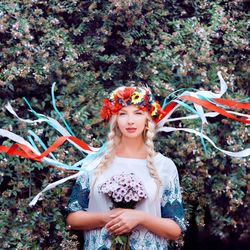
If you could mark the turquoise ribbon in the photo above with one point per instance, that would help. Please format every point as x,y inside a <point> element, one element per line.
<point>33,143</point>
<point>57,111</point>
<point>47,120</point>
<point>41,142</point>
<point>33,111</point>
<point>61,165</point>
<point>90,157</point>
<point>201,129</point>
<point>244,100</point>
<point>165,101</point>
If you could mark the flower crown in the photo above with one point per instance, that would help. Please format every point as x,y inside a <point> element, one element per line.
<point>124,96</point>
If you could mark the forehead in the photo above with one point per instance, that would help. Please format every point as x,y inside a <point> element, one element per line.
<point>130,108</point>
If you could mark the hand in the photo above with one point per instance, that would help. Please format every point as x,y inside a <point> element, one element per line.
<point>123,221</point>
<point>107,216</point>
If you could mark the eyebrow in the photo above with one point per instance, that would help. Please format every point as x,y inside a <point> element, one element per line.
<point>133,111</point>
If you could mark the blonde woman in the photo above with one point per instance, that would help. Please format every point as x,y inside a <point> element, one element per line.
<point>132,114</point>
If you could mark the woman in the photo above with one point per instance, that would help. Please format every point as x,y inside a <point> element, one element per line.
<point>132,113</point>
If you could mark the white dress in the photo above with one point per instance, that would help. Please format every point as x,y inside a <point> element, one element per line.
<point>167,205</point>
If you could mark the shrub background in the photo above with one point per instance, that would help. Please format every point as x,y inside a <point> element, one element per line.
<point>90,47</point>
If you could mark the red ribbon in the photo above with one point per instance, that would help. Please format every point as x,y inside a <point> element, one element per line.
<point>22,150</point>
<point>219,110</point>
<point>233,104</point>
<point>209,105</point>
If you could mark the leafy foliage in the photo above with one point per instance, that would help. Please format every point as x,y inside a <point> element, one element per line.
<point>91,47</point>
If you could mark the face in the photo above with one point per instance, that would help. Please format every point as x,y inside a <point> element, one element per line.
<point>131,121</point>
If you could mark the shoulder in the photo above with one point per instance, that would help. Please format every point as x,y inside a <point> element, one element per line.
<point>165,164</point>
<point>164,160</point>
<point>83,178</point>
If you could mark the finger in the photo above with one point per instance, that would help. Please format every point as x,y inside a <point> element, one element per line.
<point>113,229</point>
<point>112,223</point>
<point>116,214</point>
<point>121,230</point>
<point>117,209</point>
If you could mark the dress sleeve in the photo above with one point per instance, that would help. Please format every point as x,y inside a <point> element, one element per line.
<point>79,198</point>
<point>171,202</point>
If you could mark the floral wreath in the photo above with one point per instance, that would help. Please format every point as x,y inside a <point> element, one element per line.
<point>124,96</point>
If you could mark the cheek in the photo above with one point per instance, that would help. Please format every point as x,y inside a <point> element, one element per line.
<point>120,122</point>
<point>142,122</point>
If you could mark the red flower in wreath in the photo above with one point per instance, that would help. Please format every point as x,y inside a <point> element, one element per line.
<point>125,93</point>
<point>116,107</point>
<point>106,111</point>
<point>138,96</point>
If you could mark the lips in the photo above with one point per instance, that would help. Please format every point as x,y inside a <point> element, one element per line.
<point>131,130</point>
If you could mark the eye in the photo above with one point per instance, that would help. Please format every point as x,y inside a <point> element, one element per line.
<point>121,114</point>
<point>139,113</point>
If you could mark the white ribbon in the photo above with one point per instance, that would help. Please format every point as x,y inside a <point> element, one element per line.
<point>18,139</point>
<point>87,166</point>
<point>63,131</point>
<point>243,153</point>
<point>209,114</point>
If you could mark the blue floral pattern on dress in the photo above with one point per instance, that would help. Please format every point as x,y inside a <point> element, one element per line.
<point>171,204</point>
<point>79,198</point>
<point>140,238</point>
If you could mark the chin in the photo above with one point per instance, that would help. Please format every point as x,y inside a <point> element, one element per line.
<point>136,135</point>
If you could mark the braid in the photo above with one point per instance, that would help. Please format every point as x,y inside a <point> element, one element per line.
<point>150,133</point>
<point>114,137</point>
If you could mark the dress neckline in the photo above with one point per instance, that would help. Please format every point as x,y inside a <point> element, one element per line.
<point>134,159</point>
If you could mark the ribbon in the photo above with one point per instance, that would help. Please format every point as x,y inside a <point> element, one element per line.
<point>199,99</point>
<point>57,111</point>
<point>240,154</point>
<point>90,163</point>
<point>50,121</point>
<point>213,107</point>
<point>28,148</point>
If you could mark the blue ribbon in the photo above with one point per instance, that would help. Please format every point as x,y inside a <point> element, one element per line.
<point>195,112</point>
<point>57,111</point>
<point>41,142</point>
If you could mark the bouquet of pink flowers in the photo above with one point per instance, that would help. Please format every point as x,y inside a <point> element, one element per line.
<point>125,191</point>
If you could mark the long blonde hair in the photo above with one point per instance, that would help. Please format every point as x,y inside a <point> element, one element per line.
<point>114,138</point>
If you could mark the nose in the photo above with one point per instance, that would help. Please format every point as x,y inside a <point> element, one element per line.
<point>130,119</point>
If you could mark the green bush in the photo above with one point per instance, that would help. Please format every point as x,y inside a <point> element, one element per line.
<point>90,47</point>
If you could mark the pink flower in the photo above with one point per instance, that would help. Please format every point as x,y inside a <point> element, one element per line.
<point>124,190</point>
<point>135,197</point>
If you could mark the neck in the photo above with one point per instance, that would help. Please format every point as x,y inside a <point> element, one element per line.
<point>131,147</point>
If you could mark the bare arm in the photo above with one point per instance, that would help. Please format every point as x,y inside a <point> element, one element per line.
<point>82,220</point>
<point>161,226</point>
